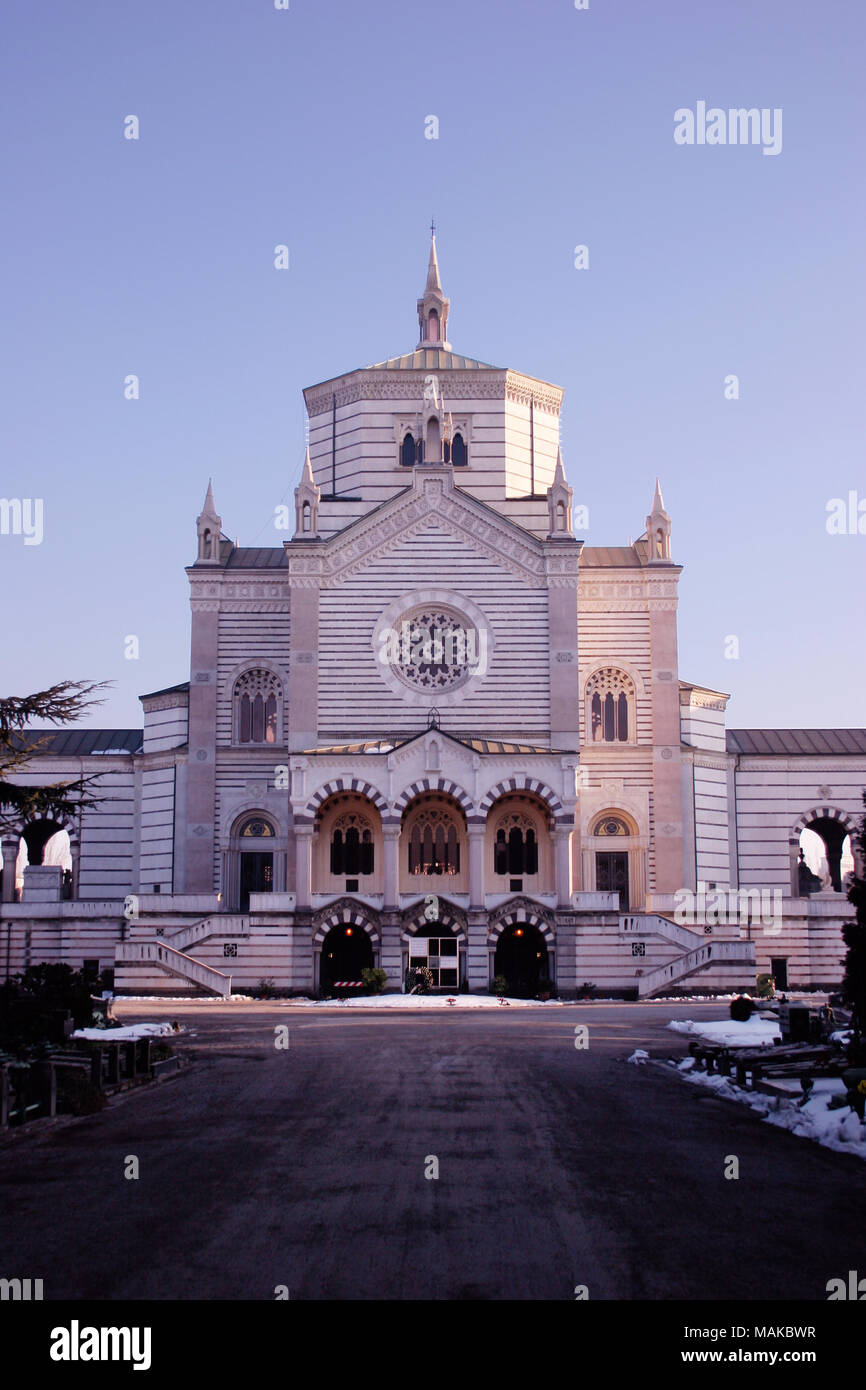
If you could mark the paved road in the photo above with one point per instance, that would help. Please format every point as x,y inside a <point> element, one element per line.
<point>305,1167</point>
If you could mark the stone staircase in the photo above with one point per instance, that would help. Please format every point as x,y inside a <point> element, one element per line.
<point>733,958</point>
<point>217,925</point>
<point>166,958</point>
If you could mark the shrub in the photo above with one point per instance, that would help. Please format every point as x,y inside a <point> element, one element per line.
<point>499,985</point>
<point>375,979</point>
<point>546,986</point>
<point>741,1008</point>
<point>76,1094</point>
<point>265,988</point>
<point>766,987</point>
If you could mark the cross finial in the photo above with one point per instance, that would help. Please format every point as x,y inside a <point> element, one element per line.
<point>432,226</point>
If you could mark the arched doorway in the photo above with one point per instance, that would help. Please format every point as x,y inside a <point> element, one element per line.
<point>45,843</point>
<point>521,957</point>
<point>612,864</point>
<point>346,951</point>
<point>257,861</point>
<point>825,855</point>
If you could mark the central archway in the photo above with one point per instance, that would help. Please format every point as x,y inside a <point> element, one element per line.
<point>521,957</point>
<point>346,951</point>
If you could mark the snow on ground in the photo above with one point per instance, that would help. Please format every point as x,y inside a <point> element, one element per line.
<point>753,1032</point>
<point>836,1129</point>
<point>126,1033</point>
<point>639,1057</point>
<point>423,1001</point>
<point>182,999</point>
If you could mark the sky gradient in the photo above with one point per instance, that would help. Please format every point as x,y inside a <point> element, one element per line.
<point>260,127</point>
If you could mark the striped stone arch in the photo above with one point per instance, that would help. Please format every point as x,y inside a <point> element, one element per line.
<point>345,913</point>
<point>433,784</point>
<point>523,912</point>
<point>526,784</point>
<point>342,784</point>
<point>451,917</point>
<point>825,813</point>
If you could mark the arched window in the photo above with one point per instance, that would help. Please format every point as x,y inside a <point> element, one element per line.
<point>560,516</point>
<point>432,326</point>
<point>256,698</point>
<point>515,847</point>
<point>351,846</point>
<point>305,517</point>
<point>256,829</point>
<point>610,707</point>
<point>458,451</point>
<point>434,845</point>
<point>433,452</point>
<point>407,451</point>
<point>610,825</point>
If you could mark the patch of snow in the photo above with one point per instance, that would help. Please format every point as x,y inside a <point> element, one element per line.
<point>752,1032</point>
<point>126,1033</point>
<point>183,999</point>
<point>426,1001</point>
<point>639,1057</point>
<point>839,1129</point>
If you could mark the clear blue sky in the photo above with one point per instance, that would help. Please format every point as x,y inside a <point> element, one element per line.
<point>306,127</point>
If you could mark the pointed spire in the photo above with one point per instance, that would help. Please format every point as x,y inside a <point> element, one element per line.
<point>208,530</point>
<point>433,281</point>
<point>658,529</point>
<point>559,500</point>
<point>433,306</point>
<point>307,498</point>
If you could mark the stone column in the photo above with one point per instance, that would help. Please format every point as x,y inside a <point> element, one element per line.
<point>391,866</point>
<point>477,953</point>
<point>391,951</point>
<point>10,856</point>
<point>476,831</point>
<point>303,864</point>
<point>562,860</point>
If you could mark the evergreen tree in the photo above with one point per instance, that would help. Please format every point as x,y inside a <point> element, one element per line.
<point>59,704</point>
<point>854,934</point>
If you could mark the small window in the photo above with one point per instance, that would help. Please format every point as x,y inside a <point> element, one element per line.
<point>351,846</point>
<point>610,707</point>
<point>515,851</point>
<point>458,451</point>
<point>256,697</point>
<point>407,451</point>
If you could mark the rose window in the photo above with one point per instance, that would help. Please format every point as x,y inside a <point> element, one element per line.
<point>436,650</point>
